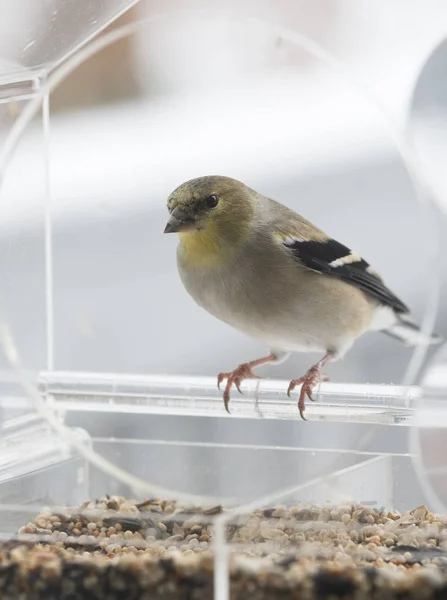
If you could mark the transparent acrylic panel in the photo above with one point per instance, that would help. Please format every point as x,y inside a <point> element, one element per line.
<point>426,130</point>
<point>306,537</point>
<point>427,120</point>
<point>23,197</point>
<point>428,437</point>
<point>318,540</point>
<point>36,35</point>
<point>200,454</point>
<point>200,397</point>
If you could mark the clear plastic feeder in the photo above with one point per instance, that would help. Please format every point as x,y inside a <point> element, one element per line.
<point>427,120</point>
<point>426,128</point>
<point>114,438</point>
<point>428,436</point>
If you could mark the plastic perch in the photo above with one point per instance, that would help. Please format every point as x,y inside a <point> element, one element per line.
<point>199,396</point>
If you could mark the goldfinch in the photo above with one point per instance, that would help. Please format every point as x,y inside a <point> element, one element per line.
<point>265,270</point>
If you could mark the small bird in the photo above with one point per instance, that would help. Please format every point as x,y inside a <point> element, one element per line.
<point>260,267</point>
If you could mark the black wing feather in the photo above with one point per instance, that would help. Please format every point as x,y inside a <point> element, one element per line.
<point>318,256</point>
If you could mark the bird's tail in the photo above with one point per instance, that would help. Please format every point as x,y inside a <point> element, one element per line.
<point>408,332</point>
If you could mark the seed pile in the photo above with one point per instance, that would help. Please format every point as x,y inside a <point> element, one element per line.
<point>113,548</point>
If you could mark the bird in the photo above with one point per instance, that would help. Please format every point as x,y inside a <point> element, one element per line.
<point>263,269</point>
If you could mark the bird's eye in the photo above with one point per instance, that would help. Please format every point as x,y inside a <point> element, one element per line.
<point>212,201</point>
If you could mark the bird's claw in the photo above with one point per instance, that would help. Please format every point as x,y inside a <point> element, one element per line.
<point>220,378</point>
<point>307,382</point>
<point>235,378</point>
<point>237,383</point>
<point>293,384</point>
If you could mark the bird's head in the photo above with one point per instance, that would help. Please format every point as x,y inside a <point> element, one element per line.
<point>211,214</point>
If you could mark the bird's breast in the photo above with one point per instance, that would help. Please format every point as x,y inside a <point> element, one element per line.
<point>289,308</point>
<point>217,291</point>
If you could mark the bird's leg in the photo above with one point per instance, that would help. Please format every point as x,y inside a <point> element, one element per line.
<point>236,377</point>
<point>309,381</point>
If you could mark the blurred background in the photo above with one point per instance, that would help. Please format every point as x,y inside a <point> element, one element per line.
<point>192,93</point>
<point>220,88</point>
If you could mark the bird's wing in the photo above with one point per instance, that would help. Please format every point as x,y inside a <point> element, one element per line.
<point>327,256</point>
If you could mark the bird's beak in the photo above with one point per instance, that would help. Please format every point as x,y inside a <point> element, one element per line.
<point>172,225</point>
<point>178,221</point>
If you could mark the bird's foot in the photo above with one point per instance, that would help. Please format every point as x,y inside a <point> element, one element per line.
<point>235,377</point>
<point>307,382</point>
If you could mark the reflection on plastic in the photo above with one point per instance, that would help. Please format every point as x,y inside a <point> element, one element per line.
<point>429,436</point>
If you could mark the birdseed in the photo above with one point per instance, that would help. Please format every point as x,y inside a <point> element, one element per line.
<point>114,548</point>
